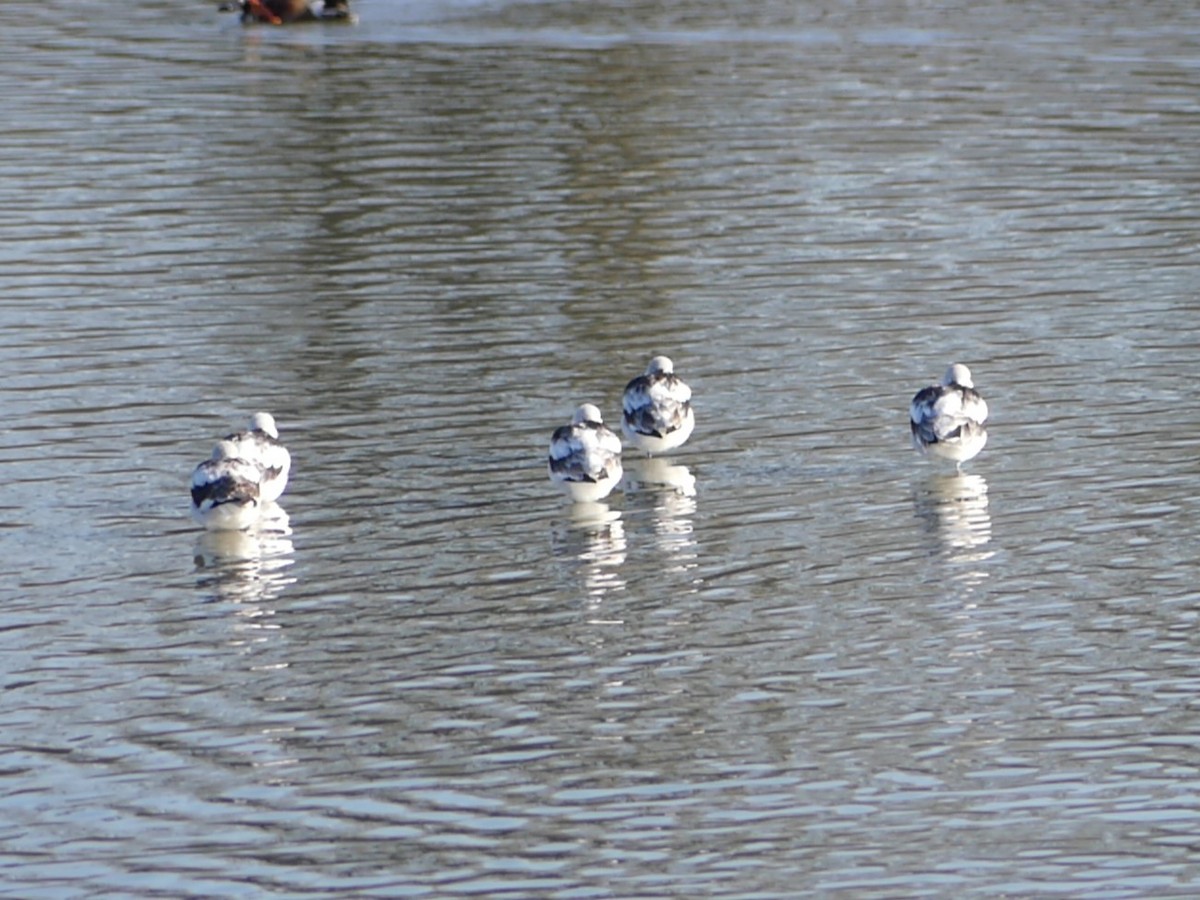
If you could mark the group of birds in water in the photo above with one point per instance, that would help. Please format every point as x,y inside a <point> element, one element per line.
<point>656,416</point>
<point>947,421</point>
<point>250,468</point>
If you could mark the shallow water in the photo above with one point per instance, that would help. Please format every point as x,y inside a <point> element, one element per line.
<point>816,665</point>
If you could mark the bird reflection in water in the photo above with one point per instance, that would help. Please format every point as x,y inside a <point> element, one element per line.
<point>656,472</point>
<point>249,568</point>
<point>954,509</point>
<point>673,488</point>
<point>593,537</point>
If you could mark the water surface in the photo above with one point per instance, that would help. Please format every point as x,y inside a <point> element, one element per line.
<point>827,668</point>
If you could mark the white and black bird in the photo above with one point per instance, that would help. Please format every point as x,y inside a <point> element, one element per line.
<point>947,418</point>
<point>225,490</point>
<point>657,409</point>
<point>585,457</point>
<point>259,443</point>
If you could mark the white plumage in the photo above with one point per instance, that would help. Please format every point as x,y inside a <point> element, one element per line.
<point>947,418</point>
<point>259,443</point>
<point>225,490</point>
<point>657,409</point>
<point>585,457</point>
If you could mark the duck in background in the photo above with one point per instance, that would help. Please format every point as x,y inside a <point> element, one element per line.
<point>657,409</point>
<point>282,12</point>
<point>585,457</point>
<point>947,418</point>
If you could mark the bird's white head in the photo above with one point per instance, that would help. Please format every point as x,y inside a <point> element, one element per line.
<point>660,365</point>
<point>958,374</point>
<point>264,422</point>
<point>589,412</point>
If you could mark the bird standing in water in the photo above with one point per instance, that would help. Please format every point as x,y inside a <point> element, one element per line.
<point>259,443</point>
<point>585,457</point>
<point>225,490</point>
<point>657,409</point>
<point>947,418</point>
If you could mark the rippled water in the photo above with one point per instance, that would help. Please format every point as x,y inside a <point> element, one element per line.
<point>819,665</point>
